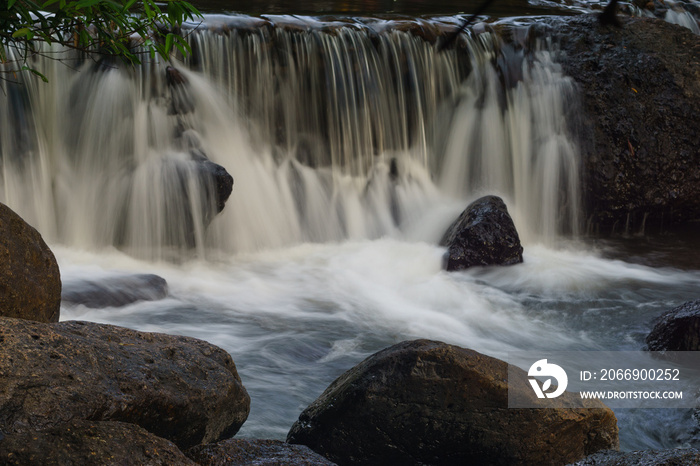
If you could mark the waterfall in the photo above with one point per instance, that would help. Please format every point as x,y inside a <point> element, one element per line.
<point>331,131</point>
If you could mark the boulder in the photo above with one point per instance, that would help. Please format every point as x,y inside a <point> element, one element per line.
<point>640,92</point>
<point>674,457</point>
<point>677,330</point>
<point>484,234</point>
<point>427,402</point>
<point>114,291</point>
<point>217,181</point>
<point>90,443</point>
<point>244,452</point>
<point>30,282</point>
<point>179,388</point>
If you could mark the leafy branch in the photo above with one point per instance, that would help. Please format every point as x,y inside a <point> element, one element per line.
<point>112,27</point>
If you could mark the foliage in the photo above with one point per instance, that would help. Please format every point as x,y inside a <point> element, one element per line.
<point>109,27</point>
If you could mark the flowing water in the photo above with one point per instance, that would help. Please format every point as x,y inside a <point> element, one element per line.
<point>353,145</point>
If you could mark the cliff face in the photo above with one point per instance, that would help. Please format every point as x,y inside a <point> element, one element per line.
<point>639,129</point>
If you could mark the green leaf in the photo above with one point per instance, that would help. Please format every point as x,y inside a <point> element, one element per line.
<point>20,33</point>
<point>10,4</point>
<point>35,72</point>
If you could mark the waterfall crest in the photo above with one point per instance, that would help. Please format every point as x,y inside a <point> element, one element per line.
<point>331,131</point>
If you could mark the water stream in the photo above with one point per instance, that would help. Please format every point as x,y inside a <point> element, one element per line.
<point>353,145</point>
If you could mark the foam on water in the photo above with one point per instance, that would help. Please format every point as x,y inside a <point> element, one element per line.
<point>296,318</point>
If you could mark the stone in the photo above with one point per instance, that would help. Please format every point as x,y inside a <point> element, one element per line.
<point>114,291</point>
<point>673,457</point>
<point>484,234</point>
<point>30,281</point>
<point>179,388</point>
<point>244,452</point>
<point>427,402</point>
<point>637,124</point>
<point>90,443</point>
<point>677,330</point>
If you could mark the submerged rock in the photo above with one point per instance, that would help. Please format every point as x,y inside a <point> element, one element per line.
<point>640,90</point>
<point>30,281</point>
<point>484,234</point>
<point>90,443</point>
<point>673,457</point>
<point>677,330</point>
<point>114,291</point>
<point>426,402</point>
<point>180,388</point>
<point>244,452</point>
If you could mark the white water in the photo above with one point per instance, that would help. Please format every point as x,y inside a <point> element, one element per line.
<point>321,257</point>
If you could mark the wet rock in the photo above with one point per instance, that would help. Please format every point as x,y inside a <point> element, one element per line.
<point>90,443</point>
<point>484,234</point>
<point>30,281</point>
<point>114,291</point>
<point>677,330</point>
<point>181,99</point>
<point>216,179</point>
<point>426,402</point>
<point>675,457</point>
<point>244,452</point>
<point>640,90</point>
<point>179,388</point>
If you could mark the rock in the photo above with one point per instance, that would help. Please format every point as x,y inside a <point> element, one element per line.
<point>675,457</point>
<point>179,388</point>
<point>181,99</point>
<point>90,443</point>
<point>677,330</point>
<point>484,234</point>
<point>218,182</point>
<point>114,291</point>
<point>30,281</point>
<point>640,91</point>
<point>426,402</point>
<point>244,452</point>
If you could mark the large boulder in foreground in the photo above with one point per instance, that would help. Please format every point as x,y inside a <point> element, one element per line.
<point>640,88</point>
<point>677,330</point>
<point>30,282</point>
<point>674,457</point>
<point>427,402</point>
<point>244,452</point>
<point>179,388</point>
<point>90,443</point>
<point>484,234</point>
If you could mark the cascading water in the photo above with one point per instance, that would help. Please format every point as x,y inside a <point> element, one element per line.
<point>353,145</point>
<point>331,134</point>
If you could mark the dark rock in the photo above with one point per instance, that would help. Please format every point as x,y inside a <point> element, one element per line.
<point>179,388</point>
<point>181,99</point>
<point>640,88</point>
<point>244,452</point>
<point>217,181</point>
<point>426,402</point>
<point>484,234</point>
<point>90,443</point>
<point>114,291</point>
<point>677,330</point>
<point>675,457</point>
<point>30,281</point>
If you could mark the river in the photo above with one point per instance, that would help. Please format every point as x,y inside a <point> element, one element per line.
<point>321,257</point>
